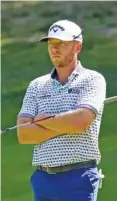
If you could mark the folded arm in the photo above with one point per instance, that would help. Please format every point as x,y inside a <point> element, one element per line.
<point>33,134</point>
<point>69,122</point>
<point>41,131</point>
<point>75,121</point>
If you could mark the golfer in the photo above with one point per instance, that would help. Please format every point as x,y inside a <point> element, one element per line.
<point>66,165</point>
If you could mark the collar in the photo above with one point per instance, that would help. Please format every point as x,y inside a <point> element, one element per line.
<point>79,68</point>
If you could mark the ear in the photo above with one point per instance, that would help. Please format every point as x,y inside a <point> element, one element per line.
<point>79,47</point>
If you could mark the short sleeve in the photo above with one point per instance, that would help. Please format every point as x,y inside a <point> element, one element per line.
<point>29,106</point>
<point>93,93</point>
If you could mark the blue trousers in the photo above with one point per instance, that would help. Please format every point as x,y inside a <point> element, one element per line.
<point>76,185</point>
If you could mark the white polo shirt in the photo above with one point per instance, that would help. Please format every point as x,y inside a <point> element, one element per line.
<point>45,95</point>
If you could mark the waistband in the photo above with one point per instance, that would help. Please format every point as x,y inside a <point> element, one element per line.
<point>65,168</point>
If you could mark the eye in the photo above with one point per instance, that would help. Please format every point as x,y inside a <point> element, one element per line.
<point>57,43</point>
<point>50,43</point>
<point>54,43</point>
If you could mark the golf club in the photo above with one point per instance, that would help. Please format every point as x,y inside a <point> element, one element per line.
<point>21,125</point>
<point>107,100</point>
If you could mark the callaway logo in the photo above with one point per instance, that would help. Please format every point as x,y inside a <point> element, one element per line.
<point>56,27</point>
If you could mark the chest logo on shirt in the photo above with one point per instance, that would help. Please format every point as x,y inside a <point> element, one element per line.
<point>74,90</point>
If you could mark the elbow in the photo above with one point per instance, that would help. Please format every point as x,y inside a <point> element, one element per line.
<point>20,137</point>
<point>85,119</point>
<point>82,126</point>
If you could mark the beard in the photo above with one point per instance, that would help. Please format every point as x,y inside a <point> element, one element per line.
<point>62,62</point>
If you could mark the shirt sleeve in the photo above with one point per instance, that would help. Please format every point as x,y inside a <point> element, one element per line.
<point>29,107</point>
<point>93,93</point>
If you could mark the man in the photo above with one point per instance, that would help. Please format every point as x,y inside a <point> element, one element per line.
<point>66,164</point>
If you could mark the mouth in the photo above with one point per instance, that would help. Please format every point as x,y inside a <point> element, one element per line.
<point>55,56</point>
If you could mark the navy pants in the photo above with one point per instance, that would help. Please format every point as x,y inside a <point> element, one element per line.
<point>75,185</point>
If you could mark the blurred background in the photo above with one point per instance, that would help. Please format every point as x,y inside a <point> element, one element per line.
<point>24,59</point>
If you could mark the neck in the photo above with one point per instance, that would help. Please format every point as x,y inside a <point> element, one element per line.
<point>64,72</point>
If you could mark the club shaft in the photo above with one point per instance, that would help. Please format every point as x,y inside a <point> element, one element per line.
<point>21,125</point>
<point>24,124</point>
<point>107,100</point>
<point>110,100</point>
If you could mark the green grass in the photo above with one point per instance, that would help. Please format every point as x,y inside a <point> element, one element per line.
<point>16,161</point>
<point>24,61</point>
<point>108,147</point>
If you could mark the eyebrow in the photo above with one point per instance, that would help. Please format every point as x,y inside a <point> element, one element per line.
<point>54,40</point>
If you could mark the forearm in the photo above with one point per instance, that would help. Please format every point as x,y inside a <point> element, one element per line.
<point>69,122</point>
<point>33,134</point>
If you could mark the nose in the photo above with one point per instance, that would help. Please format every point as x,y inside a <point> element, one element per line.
<point>55,50</point>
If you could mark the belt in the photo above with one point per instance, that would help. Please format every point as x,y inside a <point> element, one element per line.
<point>65,168</point>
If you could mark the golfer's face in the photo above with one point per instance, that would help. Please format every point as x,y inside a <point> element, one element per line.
<point>62,52</point>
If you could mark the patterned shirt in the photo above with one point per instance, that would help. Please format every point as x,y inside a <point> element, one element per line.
<point>45,95</point>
